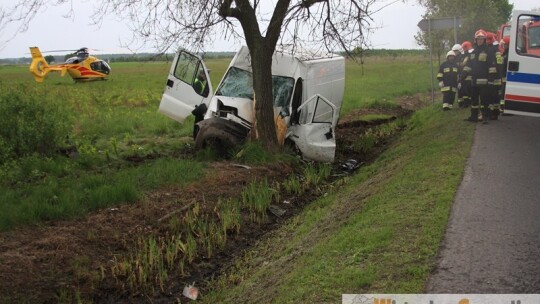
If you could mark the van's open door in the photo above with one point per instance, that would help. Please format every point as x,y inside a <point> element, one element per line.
<point>314,134</point>
<point>523,76</point>
<point>188,85</point>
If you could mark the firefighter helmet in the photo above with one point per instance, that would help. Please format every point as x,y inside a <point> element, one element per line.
<point>450,53</point>
<point>458,48</point>
<point>480,34</point>
<point>466,45</point>
<point>490,38</point>
<point>506,40</point>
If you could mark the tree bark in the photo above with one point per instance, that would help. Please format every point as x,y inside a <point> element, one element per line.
<point>261,63</point>
<point>261,51</point>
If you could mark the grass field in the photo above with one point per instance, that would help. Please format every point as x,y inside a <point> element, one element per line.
<point>379,233</point>
<point>115,121</point>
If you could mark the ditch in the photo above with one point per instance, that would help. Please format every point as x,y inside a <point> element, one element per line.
<point>148,251</point>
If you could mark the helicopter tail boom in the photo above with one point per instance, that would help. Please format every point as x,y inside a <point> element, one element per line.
<point>39,66</point>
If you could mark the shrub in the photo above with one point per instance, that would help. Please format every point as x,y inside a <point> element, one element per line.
<point>30,123</point>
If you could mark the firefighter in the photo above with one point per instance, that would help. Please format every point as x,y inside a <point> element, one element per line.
<point>448,80</point>
<point>505,43</point>
<point>483,71</point>
<point>458,49</point>
<point>465,78</point>
<point>495,85</point>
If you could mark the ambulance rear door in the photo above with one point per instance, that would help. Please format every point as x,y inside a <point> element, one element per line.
<point>523,76</point>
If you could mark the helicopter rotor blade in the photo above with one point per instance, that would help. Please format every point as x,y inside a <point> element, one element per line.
<point>91,50</point>
<point>57,51</point>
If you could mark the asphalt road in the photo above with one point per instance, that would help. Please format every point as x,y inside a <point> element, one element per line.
<point>492,242</point>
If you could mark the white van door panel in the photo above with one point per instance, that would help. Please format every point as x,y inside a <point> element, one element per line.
<point>314,134</point>
<point>188,85</point>
<point>522,94</point>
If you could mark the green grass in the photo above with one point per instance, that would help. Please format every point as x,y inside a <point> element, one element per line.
<point>58,192</point>
<point>380,80</point>
<point>115,121</point>
<point>379,234</point>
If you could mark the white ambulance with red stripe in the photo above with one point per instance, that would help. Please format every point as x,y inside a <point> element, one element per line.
<point>523,74</point>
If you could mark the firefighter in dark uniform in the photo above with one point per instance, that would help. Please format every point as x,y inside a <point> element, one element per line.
<point>448,80</point>
<point>483,71</point>
<point>495,85</point>
<point>465,77</point>
<point>505,43</point>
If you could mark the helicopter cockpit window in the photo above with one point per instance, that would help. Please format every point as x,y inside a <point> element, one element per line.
<point>100,66</point>
<point>72,60</point>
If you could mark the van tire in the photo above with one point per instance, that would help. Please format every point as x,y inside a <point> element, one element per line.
<point>218,135</point>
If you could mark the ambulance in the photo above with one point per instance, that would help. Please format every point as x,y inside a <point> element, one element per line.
<point>523,75</point>
<point>307,96</point>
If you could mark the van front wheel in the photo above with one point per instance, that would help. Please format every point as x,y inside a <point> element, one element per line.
<point>220,135</point>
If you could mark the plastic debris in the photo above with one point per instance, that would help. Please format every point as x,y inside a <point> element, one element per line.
<point>191,292</point>
<point>350,165</point>
<point>242,166</point>
<point>276,210</point>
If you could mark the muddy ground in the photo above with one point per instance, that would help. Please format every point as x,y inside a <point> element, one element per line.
<point>63,259</point>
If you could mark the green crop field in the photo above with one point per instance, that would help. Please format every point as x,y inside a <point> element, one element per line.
<point>104,126</point>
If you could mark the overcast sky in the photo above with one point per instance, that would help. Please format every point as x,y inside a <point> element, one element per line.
<point>396,26</point>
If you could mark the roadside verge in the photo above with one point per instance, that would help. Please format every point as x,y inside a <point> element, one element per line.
<point>379,234</point>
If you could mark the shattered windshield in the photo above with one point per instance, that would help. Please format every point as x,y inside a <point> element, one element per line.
<point>239,83</point>
<point>282,88</point>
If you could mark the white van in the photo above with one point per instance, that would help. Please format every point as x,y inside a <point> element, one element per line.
<point>522,94</point>
<point>307,91</point>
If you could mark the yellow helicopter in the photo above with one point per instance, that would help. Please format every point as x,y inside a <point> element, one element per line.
<point>81,67</point>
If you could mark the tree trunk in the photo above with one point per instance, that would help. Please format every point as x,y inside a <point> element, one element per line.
<point>261,63</point>
<point>261,50</point>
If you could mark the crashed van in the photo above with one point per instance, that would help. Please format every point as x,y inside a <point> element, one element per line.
<point>307,97</point>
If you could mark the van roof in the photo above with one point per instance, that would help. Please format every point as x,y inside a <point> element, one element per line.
<point>304,54</point>
<point>284,63</point>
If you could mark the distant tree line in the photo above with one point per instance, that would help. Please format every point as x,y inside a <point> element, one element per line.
<point>388,52</point>
<point>143,57</point>
<point>208,55</point>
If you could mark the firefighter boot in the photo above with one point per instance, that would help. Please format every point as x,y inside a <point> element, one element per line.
<point>493,112</point>
<point>485,115</point>
<point>474,115</point>
<point>446,106</point>
<point>466,101</point>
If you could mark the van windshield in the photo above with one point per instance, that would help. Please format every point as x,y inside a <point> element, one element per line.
<point>239,83</point>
